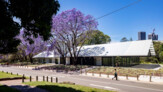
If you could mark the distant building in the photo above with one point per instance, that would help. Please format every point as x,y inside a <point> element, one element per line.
<point>153,36</point>
<point>141,35</point>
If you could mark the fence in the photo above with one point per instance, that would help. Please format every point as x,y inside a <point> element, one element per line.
<point>32,78</point>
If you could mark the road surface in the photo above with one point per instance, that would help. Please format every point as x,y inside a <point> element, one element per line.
<point>102,83</point>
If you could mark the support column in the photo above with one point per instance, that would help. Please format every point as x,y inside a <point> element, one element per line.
<point>112,62</point>
<point>58,60</point>
<point>67,61</point>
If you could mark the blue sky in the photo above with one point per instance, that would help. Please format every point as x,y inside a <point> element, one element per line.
<point>143,16</point>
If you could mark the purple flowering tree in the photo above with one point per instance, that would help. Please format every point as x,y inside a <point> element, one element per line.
<point>70,30</point>
<point>29,48</point>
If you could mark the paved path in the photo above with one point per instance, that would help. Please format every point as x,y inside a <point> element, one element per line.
<point>103,83</point>
<point>17,84</point>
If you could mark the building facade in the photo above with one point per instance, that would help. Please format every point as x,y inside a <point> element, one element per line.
<point>106,54</point>
<point>153,36</point>
<point>141,35</point>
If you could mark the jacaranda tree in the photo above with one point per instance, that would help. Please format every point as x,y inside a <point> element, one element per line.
<point>30,49</point>
<point>69,28</point>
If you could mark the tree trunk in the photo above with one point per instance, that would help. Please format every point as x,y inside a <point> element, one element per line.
<point>31,59</point>
<point>63,60</point>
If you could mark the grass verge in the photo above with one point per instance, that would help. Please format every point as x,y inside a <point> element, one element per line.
<point>8,75</point>
<point>56,87</point>
<point>133,72</point>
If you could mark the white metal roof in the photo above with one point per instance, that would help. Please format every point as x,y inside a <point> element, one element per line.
<point>46,54</point>
<point>130,48</point>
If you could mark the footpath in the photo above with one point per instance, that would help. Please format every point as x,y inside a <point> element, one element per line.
<point>17,84</point>
<point>141,78</point>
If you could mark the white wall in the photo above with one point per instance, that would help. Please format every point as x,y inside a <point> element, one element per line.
<point>58,60</point>
<point>98,60</point>
<point>53,60</point>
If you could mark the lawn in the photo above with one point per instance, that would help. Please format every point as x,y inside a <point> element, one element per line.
<point>133,72</point>
<point>5,75</point>
<point>7,89</point>
<point>56,87</point>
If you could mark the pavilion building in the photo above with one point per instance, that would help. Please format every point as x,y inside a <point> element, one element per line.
<point>106,54</point>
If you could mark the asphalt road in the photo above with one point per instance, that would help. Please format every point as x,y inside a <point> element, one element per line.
<point>102,83</point>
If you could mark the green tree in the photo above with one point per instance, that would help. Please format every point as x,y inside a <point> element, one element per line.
<point>157,46</point>
<point>161,55</point>
<point>124,39</point>
<point>161,52</point>
<point>35,16</point>
<point>97,37</point>
<point>8,30</point>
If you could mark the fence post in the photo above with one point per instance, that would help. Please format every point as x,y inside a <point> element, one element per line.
<point>51,79</point>
<point>36,78</point>
<point>81,70</point>
<point>43,78</point>
<point>56,80</point>
<point>137,77</point>
<point>127,76</point>
<point>100,74</point>
<point>108,75</point>
<point>11,73</point>
<point>92,73</point>
<point>85,72</point>
<point>30,78</point>
<point>150,78</point>
<point>17,74</point>
<point>23,79</point>
<point>47,78</point>
<point>2,71</point>
<point>7,72</point>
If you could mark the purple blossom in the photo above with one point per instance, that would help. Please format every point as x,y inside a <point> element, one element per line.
<point>37,46</point>
<point>70,29</point>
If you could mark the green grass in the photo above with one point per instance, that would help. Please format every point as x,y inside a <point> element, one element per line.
<point>5,75</point>
<point>56,87</point>
<point>126,71</point>
<point>7,89</point>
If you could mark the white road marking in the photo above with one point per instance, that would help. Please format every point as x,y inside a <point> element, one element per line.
<point>107,87</point>
<point>112,83</point>
<point>120,84</point>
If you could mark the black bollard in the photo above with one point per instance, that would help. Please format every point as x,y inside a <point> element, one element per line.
<point>43,78</point>
<point>56,80</point>
<point>36,78</point>
<point>23,79</point>
<point>51,79</point>
<point>30,78</point>
<point>47,78</point>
